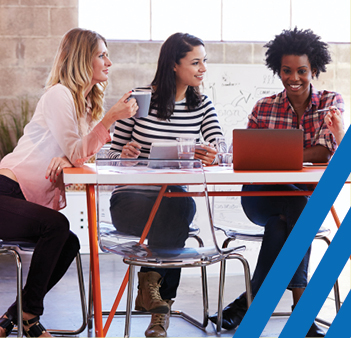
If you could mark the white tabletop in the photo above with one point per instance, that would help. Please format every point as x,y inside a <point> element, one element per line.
<point>214,175</point>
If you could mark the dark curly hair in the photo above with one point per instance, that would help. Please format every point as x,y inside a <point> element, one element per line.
<point>297,42</point>
<point>172,51</point>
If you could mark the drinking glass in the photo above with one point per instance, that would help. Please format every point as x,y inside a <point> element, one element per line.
<point>224,156</point>
<point>186,151</point>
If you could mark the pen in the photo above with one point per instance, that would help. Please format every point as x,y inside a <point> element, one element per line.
<point>321,110</point>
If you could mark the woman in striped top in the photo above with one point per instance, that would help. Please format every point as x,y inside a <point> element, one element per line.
<point>177,110</point>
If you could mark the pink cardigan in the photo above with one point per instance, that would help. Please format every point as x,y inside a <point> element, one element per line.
<point>53,131</point>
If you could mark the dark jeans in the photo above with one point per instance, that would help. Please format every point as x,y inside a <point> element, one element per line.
<point>130,211</point>
<point>56,246</point>
<point>278,214</point>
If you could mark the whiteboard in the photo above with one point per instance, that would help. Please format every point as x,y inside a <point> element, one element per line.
<point>235,88</point>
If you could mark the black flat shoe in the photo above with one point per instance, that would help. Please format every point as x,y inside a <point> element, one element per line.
<point>232,314</point>
<point>315,331</point>
<point>6,323</point>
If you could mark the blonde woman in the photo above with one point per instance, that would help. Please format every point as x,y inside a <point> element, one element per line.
<point>67,128</point>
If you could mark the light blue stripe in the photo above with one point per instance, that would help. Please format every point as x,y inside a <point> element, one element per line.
<point>321,283</point>
<point>298,242</point>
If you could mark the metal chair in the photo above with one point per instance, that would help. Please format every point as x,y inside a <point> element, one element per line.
<point>134,249</point>
<point>110,231</point>
<point>10,251</point>
<point>257,235</point>
<point>13,247</point>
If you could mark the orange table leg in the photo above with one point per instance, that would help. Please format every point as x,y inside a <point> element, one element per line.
<point>94,260</point>
<point>142,239</point>
<point>335,216</point>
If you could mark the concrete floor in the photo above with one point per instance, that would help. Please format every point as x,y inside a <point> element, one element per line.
<point>62,304</point>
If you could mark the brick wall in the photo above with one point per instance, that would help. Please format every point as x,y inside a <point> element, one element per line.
<point>30,31</point>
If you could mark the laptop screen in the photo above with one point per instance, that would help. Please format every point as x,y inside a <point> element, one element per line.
<point>164,150</point>
<point>267,149</point>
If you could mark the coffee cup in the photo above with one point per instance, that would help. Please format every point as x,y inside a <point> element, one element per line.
<point>143,100</point>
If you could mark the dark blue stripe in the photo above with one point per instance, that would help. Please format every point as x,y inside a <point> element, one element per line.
<point>340,327</point>
<point>321,283</point>
<point>303,233</point>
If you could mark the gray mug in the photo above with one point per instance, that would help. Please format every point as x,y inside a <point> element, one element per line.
<point>143,100</point>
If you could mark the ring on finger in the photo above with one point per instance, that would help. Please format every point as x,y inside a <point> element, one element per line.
<point>58,167</point>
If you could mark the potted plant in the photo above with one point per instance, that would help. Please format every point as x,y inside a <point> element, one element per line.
<point>13,118</point>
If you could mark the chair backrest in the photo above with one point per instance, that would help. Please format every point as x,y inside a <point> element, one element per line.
<point>126,194</point>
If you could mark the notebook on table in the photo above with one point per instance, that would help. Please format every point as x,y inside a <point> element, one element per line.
<point>267,149</point>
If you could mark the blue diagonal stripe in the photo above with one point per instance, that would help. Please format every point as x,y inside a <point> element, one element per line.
<point>321,282</point>
<point>298,242</point>
<point>341,327</point>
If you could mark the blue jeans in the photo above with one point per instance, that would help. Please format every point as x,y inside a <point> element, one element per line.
<point>278,214</point>
<point>130,211</point>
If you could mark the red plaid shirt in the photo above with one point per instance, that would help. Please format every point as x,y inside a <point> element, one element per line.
<point>276,112</point>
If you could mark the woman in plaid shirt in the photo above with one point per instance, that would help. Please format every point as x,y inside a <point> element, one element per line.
<point>297,56</point>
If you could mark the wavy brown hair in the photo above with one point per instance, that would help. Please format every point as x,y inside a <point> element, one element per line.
<point>73,68</point>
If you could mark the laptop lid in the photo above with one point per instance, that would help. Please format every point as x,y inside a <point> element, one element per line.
<point>267,149</point>
<point>164,150</point>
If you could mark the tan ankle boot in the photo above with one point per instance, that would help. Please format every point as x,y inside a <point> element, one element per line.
<point>148,298</point>
<point>159,323</point>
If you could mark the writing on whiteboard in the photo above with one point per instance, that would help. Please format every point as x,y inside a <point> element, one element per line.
<point>234,89</point>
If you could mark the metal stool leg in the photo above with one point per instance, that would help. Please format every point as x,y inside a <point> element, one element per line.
<point>19,293</point>
<point>220,295</point>
<point>82,299</point>
<point>12,249</point>
<point>336,285</point>
<point>90,304</point>
<point>19,286</point>
<point>204,295</point>
<point>129,301</point>
<point>81,291</point>
<point>204,287</point>
<point>19,283</point>
<point>246,268</point>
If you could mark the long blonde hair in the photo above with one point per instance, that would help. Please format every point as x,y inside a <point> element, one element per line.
<point>73,68</point>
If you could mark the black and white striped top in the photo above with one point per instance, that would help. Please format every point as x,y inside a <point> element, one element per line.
<point>200,123</point>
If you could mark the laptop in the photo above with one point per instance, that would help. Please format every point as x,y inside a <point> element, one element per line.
<point>267,149</point>
<point>164,150</point>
